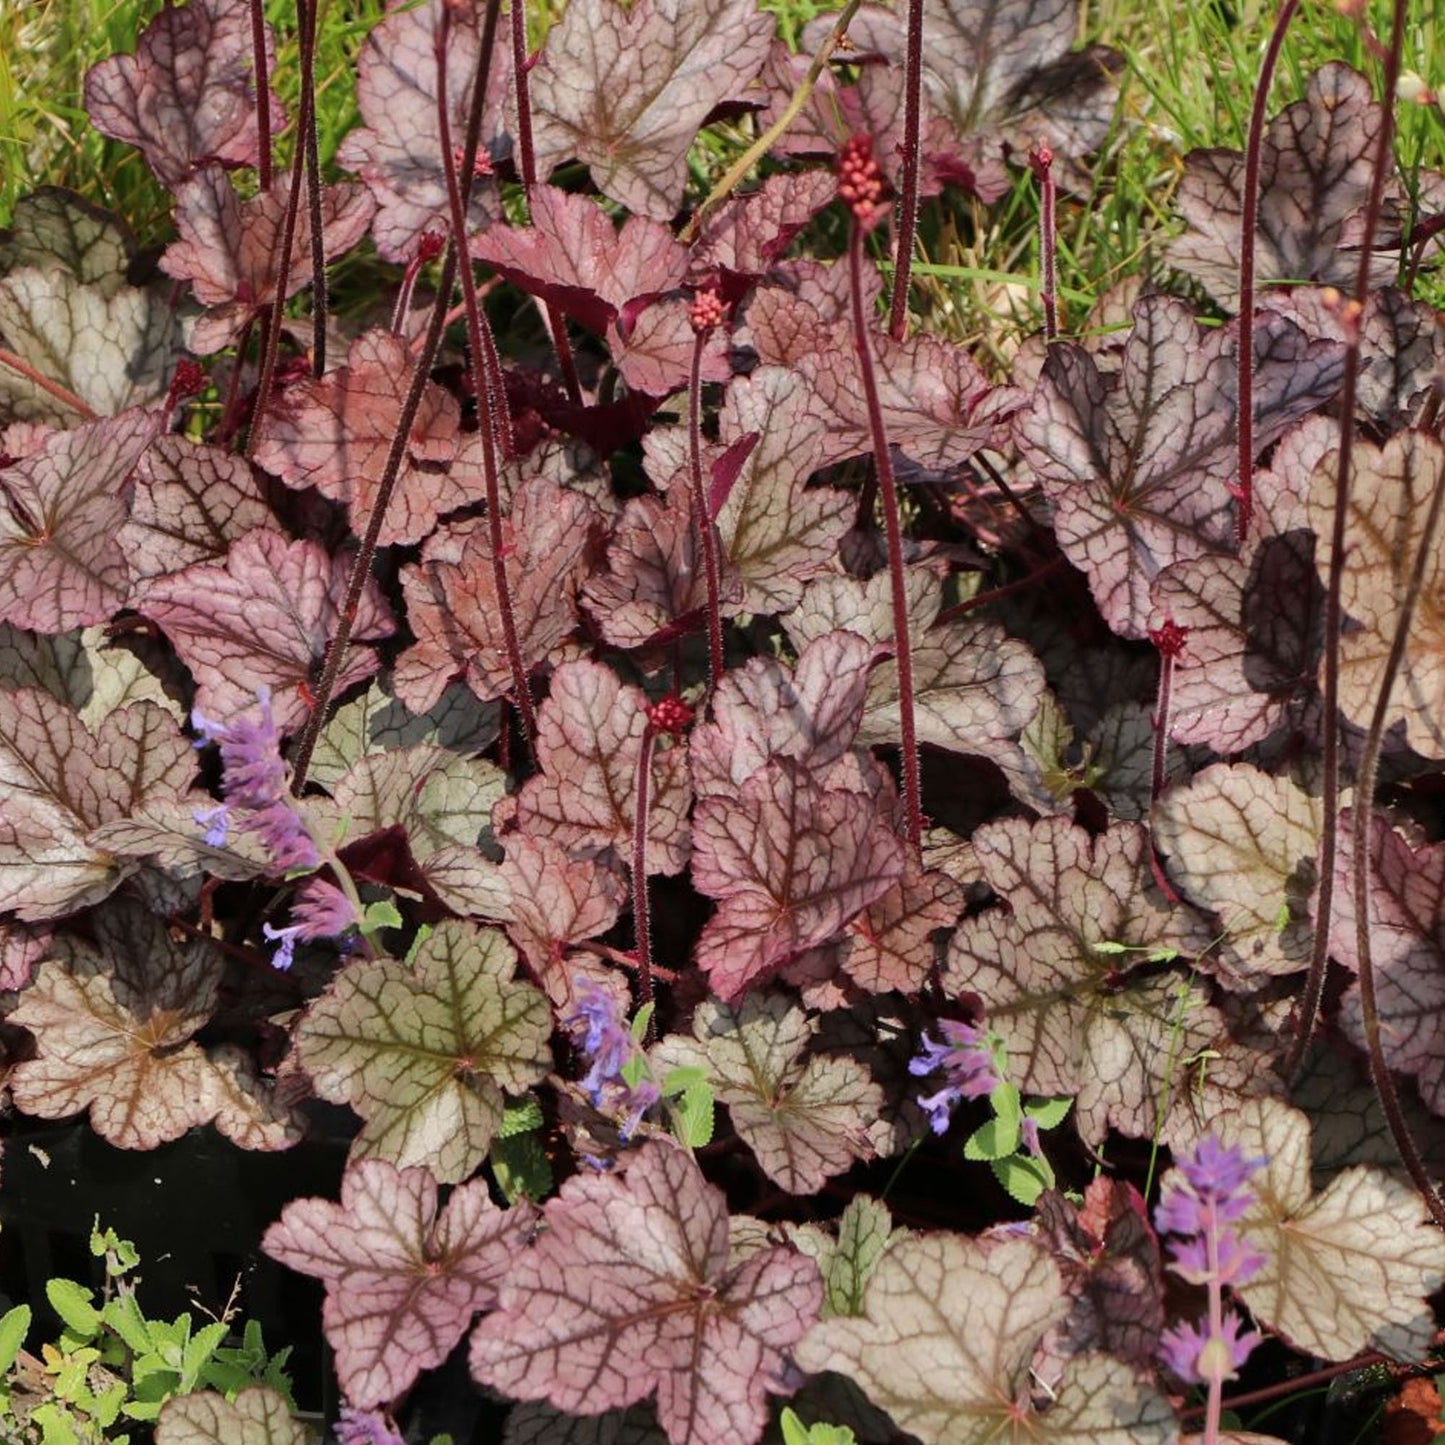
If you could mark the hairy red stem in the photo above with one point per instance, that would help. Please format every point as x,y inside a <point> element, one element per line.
<point>263,93</point>
<point>641,917</point>
<point>702,515</point>
<point>311,148</point>
<point>908,202</point>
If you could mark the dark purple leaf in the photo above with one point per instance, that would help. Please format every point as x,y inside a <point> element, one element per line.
<point>398,151</point>
<point>1315,165</point>
<point>1138,464</point>
<point>402,1281</point>
<point>187,96</point>
<point>334,434</point>
<point>61,565</point>
<point>790,863</point>
<point>229,248</point>
<point>667,63</point>
<point>628,1291</point>
<point>573,257</point>
<point>264,615</point>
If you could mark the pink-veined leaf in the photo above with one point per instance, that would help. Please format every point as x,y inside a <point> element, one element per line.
<point>263,615</point>
<point>1407,948</point>
<point>777,531</point>
<point>760,712</point>
<point>1109,1258</point>
<point>806,1117</point>
<point>555,901</point>
<point>946,1341</point>
<point>891,943</point>
<point>1390,492</point>
<point>938,407</point>
<point>667,64</point>
<point>790,864</point>
<point>589,740</point>
<point>655,576</point>
<point>59,781</point>
<point>1316,160</point>
<point>113,347</point>
<point>629,1291</point>
<point>189,503</point>
<point>187,97</point>
<point>256,1416</point>
<point>748,233</point>
<point>1347,1269</point>
<point>653,351</point>
<point>113,1022</point>
<point>451,599</point>
<point>398,150</point>
<point>61,564</point>
<point>1243,844</point>
<point>402,1280</point>
<point>229,248</point>
<point>573,257</point>
<point>1138,464</point>
<point>424,1051</point>
<point>334,434</point>
<point>1053,968</point>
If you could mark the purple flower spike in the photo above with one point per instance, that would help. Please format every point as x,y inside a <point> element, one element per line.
<point>364,1427</point>
<point>602,1035</point>
<point>321,910</point>
<point>1194,1357</point>
<point>967,1063</point>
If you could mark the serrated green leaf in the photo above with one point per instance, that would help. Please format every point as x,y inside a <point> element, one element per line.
<point>381,914</point>
<point>641,1021</point>
<point>994,1140</point>
<point>521,1167</point>
<point>1023,1176</point>
<point>198,1352</point>
<point>864,1230</point>
<point>55,1425</point>
<point>693,1115</point>
<point>123,1314</point>
<point>14,1326</point>
<point>73,1303</point>
<point>797,1433</point>
<point>679,1080</point>
<point>1049,1113</point>
<point>520,1117</point>
<point>1108,947</point>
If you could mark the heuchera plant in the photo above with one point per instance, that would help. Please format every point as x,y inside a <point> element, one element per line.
<point>684,753</point>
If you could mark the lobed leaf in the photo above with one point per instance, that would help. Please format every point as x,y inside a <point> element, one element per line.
<point>629,1291</point>
<point>424,1051</point>
<point>402,1280</point>
<point>256,1415</point>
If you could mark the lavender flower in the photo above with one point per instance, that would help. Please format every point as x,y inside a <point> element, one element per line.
<point>603,1035</point>
<point>1210,1195</point>
<point>253,784</point>
<point>967,1061</point>
<point>365,1427</point>
<point>321,910</point>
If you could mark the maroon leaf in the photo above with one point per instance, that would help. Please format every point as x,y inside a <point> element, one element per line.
<point>790,863</point>
<point>574,258</point>
<point>402,1281</point>
<point>668,63</point>
<point>1315,165</point>
<point>629,1291</point>
<point>334,434</point>
<point>744,237</point>
<point>22,946</point>
<point>61,565</point>
<point>655,576</point>
<point>264,615</point>
<point>938,406</point>
<point>398,152</point>
<point>1407,948</point>
<point>589,739</point>
<point>1138,464</point>
<point>759,712</point>
<point>452,604</point>
<point>188,94</point>
<point>654,351</point>
<point>1109,1258</point>
<point>191,501</point>
<point>229,248</point>
<point>59,781</point>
